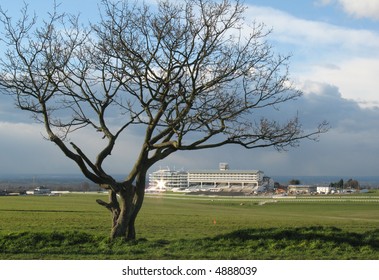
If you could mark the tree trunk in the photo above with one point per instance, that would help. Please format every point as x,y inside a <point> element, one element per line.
<point>125,206</point>
<point>121,221</point>
<point>131,199</point>
<point>137,204</point>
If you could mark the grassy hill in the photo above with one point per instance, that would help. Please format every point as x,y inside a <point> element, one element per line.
<point>173,226</point>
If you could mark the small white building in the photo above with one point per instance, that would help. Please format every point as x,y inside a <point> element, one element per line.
<point>301,189</point>
<point>325,189</point>
<point>40,190</point>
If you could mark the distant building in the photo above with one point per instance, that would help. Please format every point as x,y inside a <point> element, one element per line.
<point>301,189</point>
<point>40,190</point>
<point>325,189</point>
<point>164,179</point>
<point>225,178</point>
<point>223,166</point>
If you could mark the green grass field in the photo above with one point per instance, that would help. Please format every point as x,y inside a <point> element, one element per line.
<point>173,226</point>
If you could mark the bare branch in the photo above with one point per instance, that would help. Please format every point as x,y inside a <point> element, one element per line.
<point>191,74</point>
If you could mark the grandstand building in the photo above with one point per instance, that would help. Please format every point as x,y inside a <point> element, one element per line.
<point>164,179</point>
<point>225,178</point>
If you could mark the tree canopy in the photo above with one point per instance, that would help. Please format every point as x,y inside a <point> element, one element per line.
<point>192,75</point>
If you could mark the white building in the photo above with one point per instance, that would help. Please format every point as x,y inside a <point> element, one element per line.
<point>39,190</point>
<point>302,189</point>
<point>225,178</point>
<point>165,179</point>
<point>325,189</point>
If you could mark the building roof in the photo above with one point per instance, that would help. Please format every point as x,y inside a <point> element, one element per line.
<point>168,171</point>
<point>226,171</point>
<point>301,186</point>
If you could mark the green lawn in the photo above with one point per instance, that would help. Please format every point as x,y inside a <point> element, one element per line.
<point>191,227</point>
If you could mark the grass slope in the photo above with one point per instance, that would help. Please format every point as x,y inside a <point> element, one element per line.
<point>181,227</point>
<point>274,243</point>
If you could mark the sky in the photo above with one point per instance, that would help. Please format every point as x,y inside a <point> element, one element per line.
<point>334,48</point>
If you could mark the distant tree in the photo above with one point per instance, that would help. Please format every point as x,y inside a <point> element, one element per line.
<point>352,184</point>
<point>190,74</point>
<point>294,182</point>
<point>337,185</point>
<point>85,186</point>
<point>340,184</point>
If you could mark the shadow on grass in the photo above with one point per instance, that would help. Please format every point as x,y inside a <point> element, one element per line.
<point>323,234</point>
<point>271,243</point>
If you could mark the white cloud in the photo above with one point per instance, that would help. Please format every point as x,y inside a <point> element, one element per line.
<point>356,79</point>
<point>326,53</point>
<point>356,8</point>
<point>361,8</point>
<point>314,34</point>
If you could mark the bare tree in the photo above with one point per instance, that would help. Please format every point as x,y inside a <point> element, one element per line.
<point>191,74</point>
